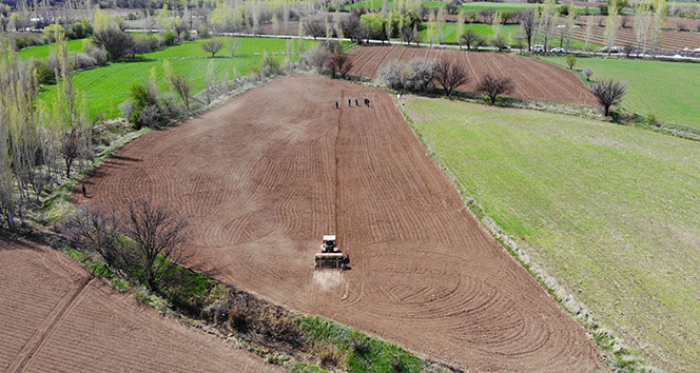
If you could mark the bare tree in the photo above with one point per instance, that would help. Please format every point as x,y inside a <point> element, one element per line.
<point>234,44</point>
<point>419,75</point>
<point>314,29</point>
<point>589,31</point>
<point>94,229</point>
<point>609,92</point>
<point>493,86</point>
<point>527,25</point>
<point>612,26</point>
<point>469,38</point>
<point>116,42</point>
<point>460,27</point>
<point>546,21</point>
<point>182,87</point>
<point>588,73</point>
<point>339,64</point>
<point>409,35</point>
<point>450,75</point>
<point>212,46</point>
<point>159,235</point>
<point>392,74</point>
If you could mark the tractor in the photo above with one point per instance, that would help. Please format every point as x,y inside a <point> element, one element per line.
<point>330,257</point>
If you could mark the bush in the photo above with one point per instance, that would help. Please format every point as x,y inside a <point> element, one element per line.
<point>83,61</point>
<point>392,75</point>
<point>27,41</point>
<point>99,54</point>
<point>80,30</point>
<point>145,44</point>
<point>271,66</point>
<point>49,33</point>
<point>168,38</point>
<point>419,75</point>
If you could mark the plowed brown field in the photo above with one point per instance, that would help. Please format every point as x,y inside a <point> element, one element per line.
<point>56,317</point>
<point>533,80</point>
<point>269,173</point>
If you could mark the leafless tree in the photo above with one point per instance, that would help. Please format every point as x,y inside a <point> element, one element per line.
<point>450,75</point>
<point>469,38</point>
<point>182,87</point>
<point>116,42</point>
<point>234,44</point>
<point>487,15</point>
<point>493,86</point>
<point>392,74</point>
<point>71,148</point>
<point>95,230</point>
<point>339,64</point>
<point>409,35</point>
<point>159,234</point>
<point>588,73</point>
<point>419,75</point>
<point>528,25</point>
<point>609,92</point>
<point>212,46</point>
<point>314,29</point>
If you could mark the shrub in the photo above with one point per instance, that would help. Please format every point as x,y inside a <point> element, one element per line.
<point>49,33</point>
<point>27,41</point>
<point>271,66</point>
<point>588,73</point>
<point>99,54</point>
<point>83,61</point>
<point>80,30</point>
<point>419,75</point>
<point>391,75</point>
<point>168,38</point>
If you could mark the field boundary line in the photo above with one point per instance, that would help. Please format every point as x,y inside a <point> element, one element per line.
<point>49,325</point>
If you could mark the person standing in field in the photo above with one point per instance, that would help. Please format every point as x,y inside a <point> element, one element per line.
<point>336,104</point>
<point>84,190</point>
<point>350,102</point>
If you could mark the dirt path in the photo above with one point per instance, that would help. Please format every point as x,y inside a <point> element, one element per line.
<point>56,317</point>
<point>266,175</point>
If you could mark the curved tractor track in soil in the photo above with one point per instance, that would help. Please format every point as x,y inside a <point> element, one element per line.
<point>57,317</point>
<point>533,80</point>
<point>266,175</point>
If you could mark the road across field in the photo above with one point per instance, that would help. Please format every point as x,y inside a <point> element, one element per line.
<point>266,175</point>
<point>56,317</point>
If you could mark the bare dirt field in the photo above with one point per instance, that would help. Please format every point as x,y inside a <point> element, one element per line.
<point>533,80</point>
<point>266,175</point>
<point>56,317</point>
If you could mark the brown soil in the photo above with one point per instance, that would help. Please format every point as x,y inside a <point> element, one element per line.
<point>266,175</point>
<point>56,317</point>
<point>533,80</point>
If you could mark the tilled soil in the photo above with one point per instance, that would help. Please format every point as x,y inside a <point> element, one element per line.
<point>266,175</point>
<point>56,317</point>
<point>532,79</point>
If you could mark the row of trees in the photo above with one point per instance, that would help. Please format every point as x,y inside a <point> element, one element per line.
<point>156,240</point>
<point>420,75</point>
<point>39,142</point>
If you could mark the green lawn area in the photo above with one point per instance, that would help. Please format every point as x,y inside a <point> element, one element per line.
<point>610,211</point>
<point>668,90</point>
<point>44,51</point>
<point>106,88</point>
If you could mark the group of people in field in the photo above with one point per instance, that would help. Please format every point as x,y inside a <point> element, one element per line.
<point>357,102</point>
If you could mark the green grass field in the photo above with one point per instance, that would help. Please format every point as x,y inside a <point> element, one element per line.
<point>44,51</point>
<point>668,90</point>
<point>106,88</point>
<point>611,211</point>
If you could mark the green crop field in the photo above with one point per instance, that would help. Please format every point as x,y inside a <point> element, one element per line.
<point>44,51</point>
<point>106,88</point>
<point>611,211</point>
<point>668,90</point>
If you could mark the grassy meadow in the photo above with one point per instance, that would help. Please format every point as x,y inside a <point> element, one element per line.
<point>106,88</point>
<point>668,90</point>
<point>610,211</point>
